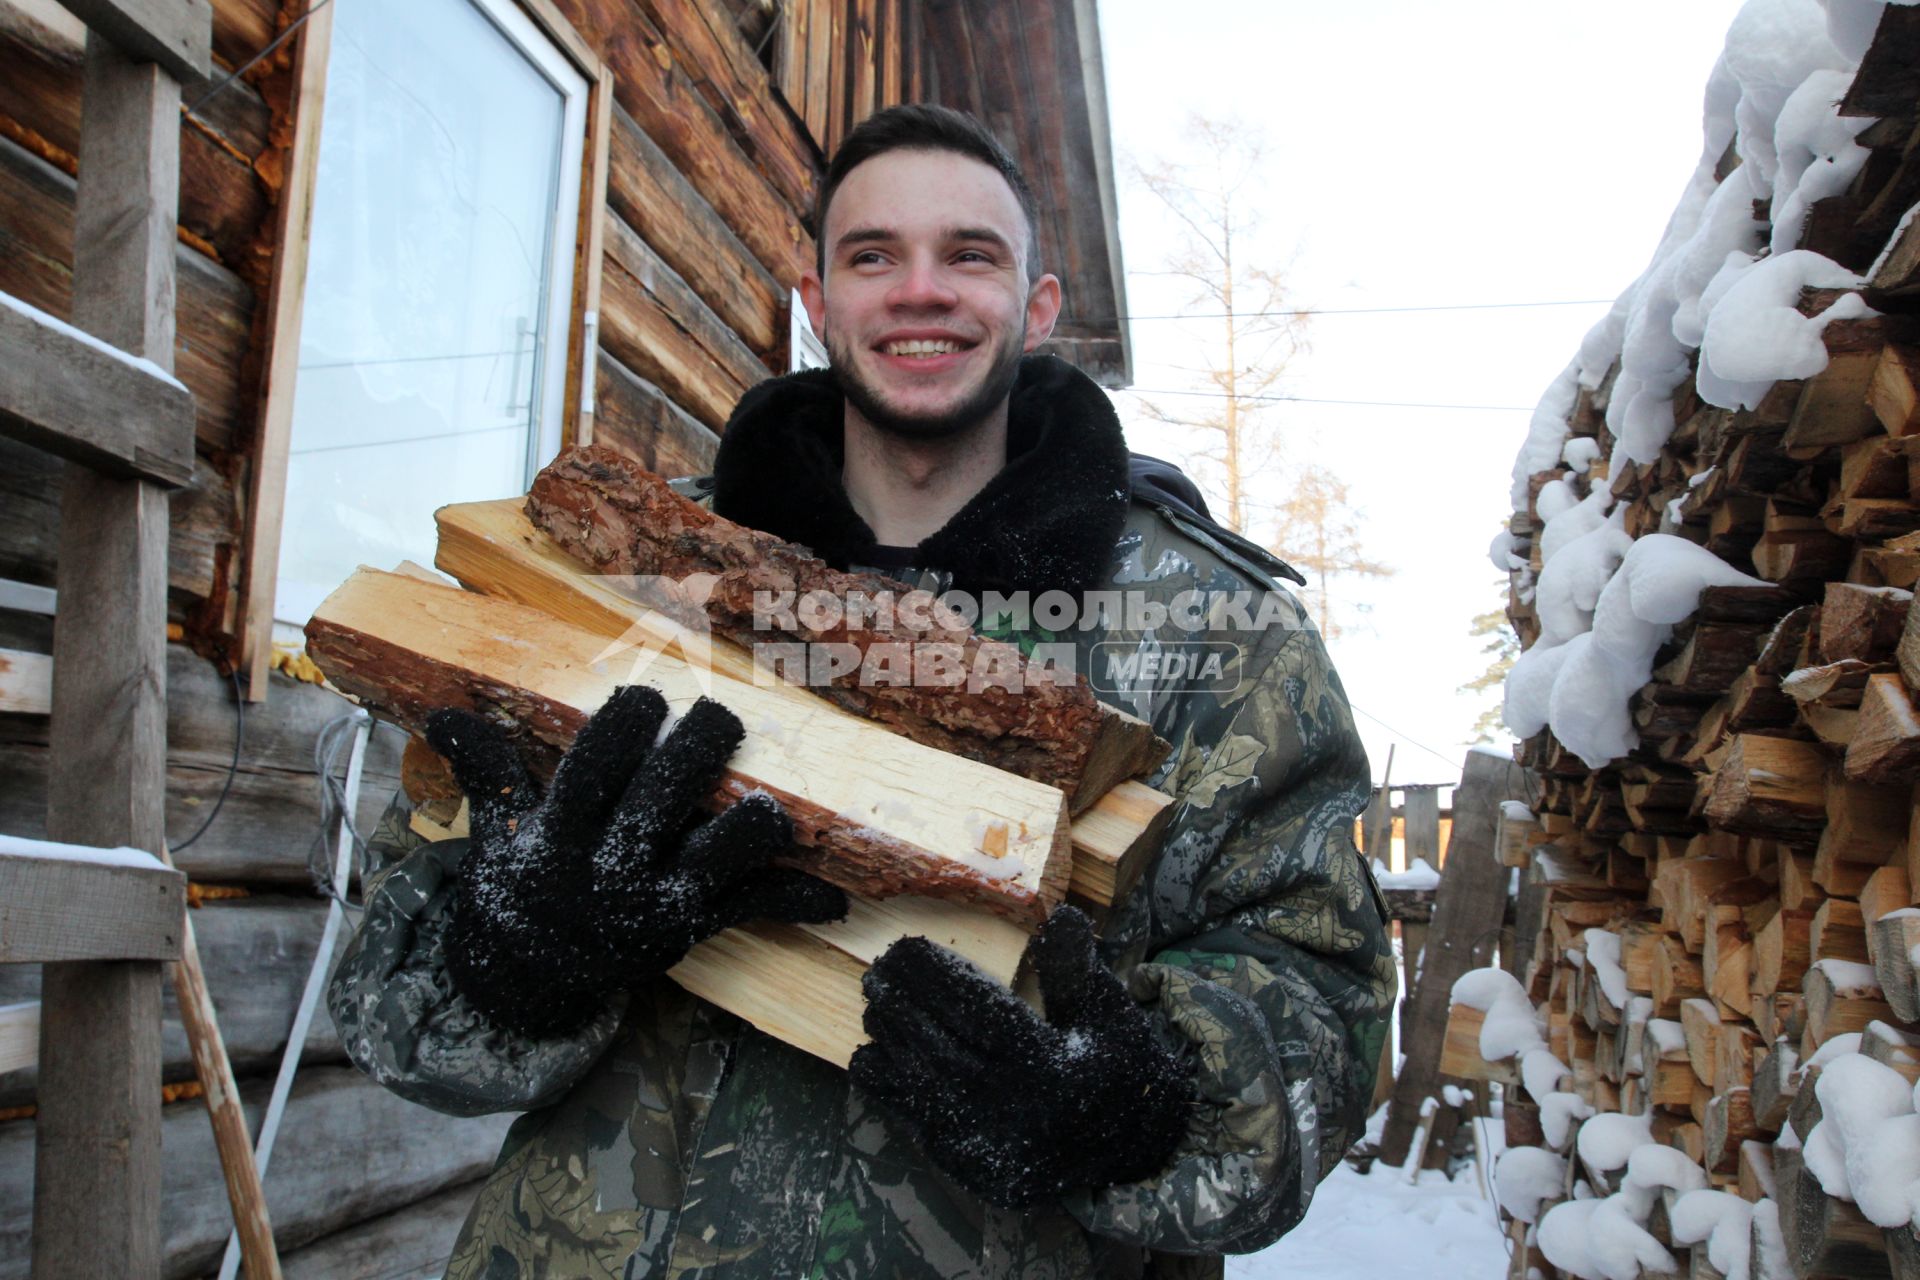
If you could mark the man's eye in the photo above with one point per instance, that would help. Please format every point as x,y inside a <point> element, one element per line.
<point>972,255</point>
<point>865,257</point>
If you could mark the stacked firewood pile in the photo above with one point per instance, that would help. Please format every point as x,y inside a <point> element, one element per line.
<point>1709,1028</point>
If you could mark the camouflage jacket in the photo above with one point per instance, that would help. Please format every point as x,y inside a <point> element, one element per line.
<point>670,1139</point>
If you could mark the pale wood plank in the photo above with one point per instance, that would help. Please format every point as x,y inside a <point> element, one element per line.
<point>26,682</point>
<point>63,394</point>
<point>19,1035</point>
<point>57,909</point>
<point>286,298</point>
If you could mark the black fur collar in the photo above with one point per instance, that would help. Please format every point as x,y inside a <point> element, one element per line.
<point>1048,521</point>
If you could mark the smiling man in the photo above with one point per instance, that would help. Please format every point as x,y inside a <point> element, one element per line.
<point>1196,1068</point>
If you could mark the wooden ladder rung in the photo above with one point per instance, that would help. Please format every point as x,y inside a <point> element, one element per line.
<point>83,400</point>
<point>63,902</point>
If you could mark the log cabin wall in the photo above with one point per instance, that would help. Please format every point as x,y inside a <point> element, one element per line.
<point>722,112</point>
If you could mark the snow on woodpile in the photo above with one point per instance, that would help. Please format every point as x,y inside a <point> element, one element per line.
<point>1747,290</point>
<point>1708,1028</point>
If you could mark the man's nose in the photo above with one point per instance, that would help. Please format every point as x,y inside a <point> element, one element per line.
<point>922,284</point>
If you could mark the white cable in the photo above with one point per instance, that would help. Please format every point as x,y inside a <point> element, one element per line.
<point>316,979</point>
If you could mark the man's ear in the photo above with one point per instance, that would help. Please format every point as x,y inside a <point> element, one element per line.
<point>813,296</point>
<point>1043,308</point>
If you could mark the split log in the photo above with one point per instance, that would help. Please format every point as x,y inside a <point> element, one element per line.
<point>1770,787</point>
<point>1842,996</point>
<point>1838,932</point>
<point>873,812</point>
<point>1896,941</point>
<point>616,517</point>
<point>1825,1236</point>
<point>492,548</point>
<point>1886,743</point>
<point>1728,1126</point>
<point>1782,950</point>
<point>1892,395</point>
<point>1863,623</point>
<point>1775,1083</point>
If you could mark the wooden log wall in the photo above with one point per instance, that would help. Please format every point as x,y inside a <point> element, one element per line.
<point>712,177</point>
<point>1703,917</point>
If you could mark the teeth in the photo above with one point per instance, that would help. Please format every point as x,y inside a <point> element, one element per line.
<point>922,347</point>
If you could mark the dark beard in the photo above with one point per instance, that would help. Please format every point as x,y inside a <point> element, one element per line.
<point>993,389</point>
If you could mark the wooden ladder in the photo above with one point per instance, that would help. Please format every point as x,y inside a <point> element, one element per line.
<point>100,394</point>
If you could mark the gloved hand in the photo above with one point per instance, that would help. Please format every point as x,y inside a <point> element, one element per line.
<point>607,880</point>
<point>1015,1107</point>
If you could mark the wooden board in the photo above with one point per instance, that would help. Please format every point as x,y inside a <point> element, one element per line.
<point>1470,905</point>
<point>884,816</point>
<point>55,906</point>
<point>90,404</point>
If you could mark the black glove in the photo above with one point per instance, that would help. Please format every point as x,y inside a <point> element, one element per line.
<point>1016,1108</point>
<point>564,900</point>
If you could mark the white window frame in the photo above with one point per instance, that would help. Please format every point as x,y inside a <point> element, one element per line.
<point>559,70</point>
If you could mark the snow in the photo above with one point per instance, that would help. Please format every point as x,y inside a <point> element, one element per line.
<point>1580,453</point>
<point>1668,1036</point>
<point>1559,1112</point>
<point>1721,1219</point>
<point>1756,334</point>
<point>1524,1177</point>
<point>1772,1264</point>
<point>1377,1226</point>
<point>1541,1074</point>
<point>1607,1141</point>
<point>21,847</point>
<point>1599,1240</point>
<point>1818,156</point>
<point>82,336</point>
<point>1420,875</point>
<point>1846,974</point>
<point>1511,1026</point>
<point>1603,953</point>
<point>1866,1147</point>
<point>1658,584</point>
<point>1515,811</point>
<point>1834,1048</point>
<point>1546,431</point>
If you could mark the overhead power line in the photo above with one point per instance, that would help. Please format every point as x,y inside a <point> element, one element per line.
<point>1347,311</point>
<point>1381,404</point>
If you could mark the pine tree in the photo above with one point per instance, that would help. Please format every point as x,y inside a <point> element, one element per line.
<point>1319,533</point>
<point>1501,648</point>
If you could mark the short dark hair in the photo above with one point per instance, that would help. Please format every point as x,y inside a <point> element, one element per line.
<point>922,126</point>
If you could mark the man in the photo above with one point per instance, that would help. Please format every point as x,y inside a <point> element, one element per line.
<point>1148,1122</point>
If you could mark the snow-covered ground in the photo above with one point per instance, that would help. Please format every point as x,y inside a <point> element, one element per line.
<point>1374,1226</point>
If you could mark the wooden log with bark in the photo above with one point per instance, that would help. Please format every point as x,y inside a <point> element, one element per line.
<point>875,812</point>
<point>617,518</point>
<point>492,548</point>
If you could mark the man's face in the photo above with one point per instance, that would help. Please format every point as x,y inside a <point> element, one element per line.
<point>925,308</point>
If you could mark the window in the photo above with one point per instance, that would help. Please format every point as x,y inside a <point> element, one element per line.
<point>439,289</point>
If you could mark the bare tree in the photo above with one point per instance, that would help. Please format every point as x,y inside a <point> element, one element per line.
<point>1212,196</point>
<point>1319,533</point>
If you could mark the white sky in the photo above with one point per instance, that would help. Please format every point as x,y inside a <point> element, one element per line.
<point>1422,153</point>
